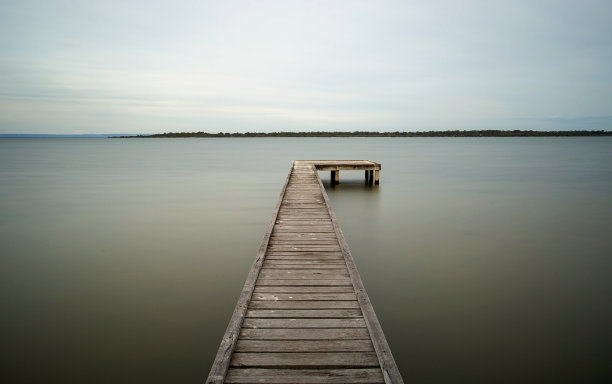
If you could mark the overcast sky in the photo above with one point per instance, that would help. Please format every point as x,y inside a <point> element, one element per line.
<point>234,66</point>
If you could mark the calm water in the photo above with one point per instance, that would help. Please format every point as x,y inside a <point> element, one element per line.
<point>487,260</point>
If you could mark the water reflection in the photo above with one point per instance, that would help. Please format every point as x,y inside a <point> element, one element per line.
<point>121,260</point>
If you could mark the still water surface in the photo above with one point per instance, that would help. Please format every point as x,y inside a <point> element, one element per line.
<point>486,259</point>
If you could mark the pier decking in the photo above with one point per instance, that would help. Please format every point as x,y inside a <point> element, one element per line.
<point>303,315</point>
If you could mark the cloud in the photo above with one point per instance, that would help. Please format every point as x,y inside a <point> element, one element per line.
<point>604,121</point>
<point>322,65</point>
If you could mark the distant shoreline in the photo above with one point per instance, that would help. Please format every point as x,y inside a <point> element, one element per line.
<point>485,133</point>
<point>60,135</point>
<point>473,133</point>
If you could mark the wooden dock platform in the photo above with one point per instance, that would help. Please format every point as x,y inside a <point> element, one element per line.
<point>303,315</point>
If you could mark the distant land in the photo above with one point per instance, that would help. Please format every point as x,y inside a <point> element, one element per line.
<point>62,136</point>
<point>475,133</point>
<point>485,133</point>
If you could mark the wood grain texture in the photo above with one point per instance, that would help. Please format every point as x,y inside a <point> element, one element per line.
<point>308,264</point>
<point>300,289</point>
<point>348,345</point>
<point>303,282</point>
<point>304,296</point>
<point>291,304</point>
<point>323,334</point>
<point>306,313</point>
<point>303,273</point>
<point>304,323</point>
<point>305,360</point>
<point>304,376</point>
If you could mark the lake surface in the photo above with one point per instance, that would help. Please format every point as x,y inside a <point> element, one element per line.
<point>486,259</point>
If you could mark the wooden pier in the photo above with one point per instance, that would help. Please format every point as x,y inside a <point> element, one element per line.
<point>303,315</point>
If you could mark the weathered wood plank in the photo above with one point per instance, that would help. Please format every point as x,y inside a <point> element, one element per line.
<point>299,289</point>
<point>304,248</point>
<point>302,225</point>
<point>303,242</point>
<point>345,168</point>
<point>302,204</point>
<point>308,313</point>
<point>297,222</point>
<point>322,275</point>
<point>284,273</point>
<point>305,360</point>
<point>298,230</point>
<point>304,376</point>
<point>293,258</point>
<point>299,211</point>
<point>305,262</point>
<point>305,253</point>
<point>304,228</point>
<point>288,263</point>
<point>303,193</point>
<point>305,266</point>
<point>297,257</point>
<point>304,235</point>
<point>325,263</point>
<point>313,283</point>
<point>322,334</point>
<point>304,323</point>
<point>303,296</point>
<point>301,250</point>
<point>305,221</point>
<point>322,304</point>
<point>313,245</point>
<point>304,200</point>
<point>364,345</point>
<point>290,259</point>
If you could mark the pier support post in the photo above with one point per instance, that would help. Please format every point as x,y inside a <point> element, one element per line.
<point>367,176</point>
<point>335,177</point>
<point>377,176</point>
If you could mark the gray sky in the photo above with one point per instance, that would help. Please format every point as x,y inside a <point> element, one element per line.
<point>234,66</point>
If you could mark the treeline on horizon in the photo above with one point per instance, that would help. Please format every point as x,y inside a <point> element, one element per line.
<point>476,133</point>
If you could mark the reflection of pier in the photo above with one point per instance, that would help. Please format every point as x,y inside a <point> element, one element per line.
<point>303,315</point>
